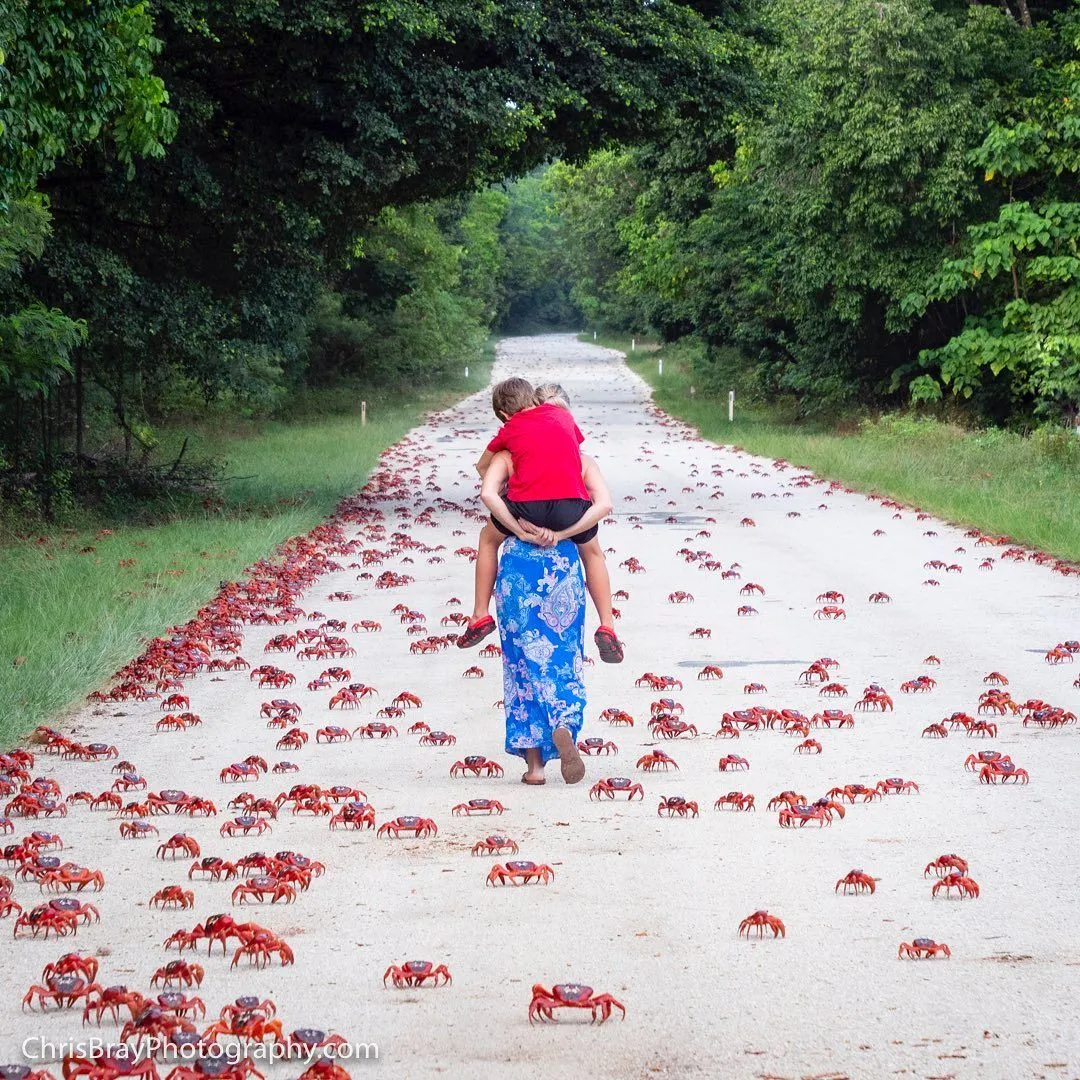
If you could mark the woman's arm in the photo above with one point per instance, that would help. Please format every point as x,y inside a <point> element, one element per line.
<point>497,474</point>
<point>601,500</point>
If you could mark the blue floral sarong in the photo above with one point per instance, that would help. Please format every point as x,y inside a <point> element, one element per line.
<point>540,601</point>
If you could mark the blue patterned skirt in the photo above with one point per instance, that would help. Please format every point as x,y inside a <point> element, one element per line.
<point>540,601</point>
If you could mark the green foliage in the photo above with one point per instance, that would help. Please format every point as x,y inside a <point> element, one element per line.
<point>321,211</point>
<point>593,200</point>
<point>536,280</point>
<point>72,73</point>
<point>1020,270</point>
<point>893,182</point>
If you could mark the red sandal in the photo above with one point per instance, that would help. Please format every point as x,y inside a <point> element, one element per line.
<point>476,632</point>
<point>608,645</point>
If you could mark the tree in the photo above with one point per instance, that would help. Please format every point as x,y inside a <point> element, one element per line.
<point>1018,273</point>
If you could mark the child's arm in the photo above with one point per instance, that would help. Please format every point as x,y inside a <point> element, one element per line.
<point>601,500</point>
<point>484,463</point>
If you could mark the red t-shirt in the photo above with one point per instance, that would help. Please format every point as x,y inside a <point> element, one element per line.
<point>543,445</point>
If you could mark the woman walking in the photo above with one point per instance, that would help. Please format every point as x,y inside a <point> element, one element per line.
<point>540,600</point>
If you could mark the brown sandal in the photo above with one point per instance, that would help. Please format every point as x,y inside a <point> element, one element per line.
<point>573,768</point>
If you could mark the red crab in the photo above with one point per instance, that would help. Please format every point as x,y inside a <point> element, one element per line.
<point>263,887</point>
<point>1002,771</point>
<point>830,612</point>
<point>735,800</point>
<point>616,784</point>
<point>179,845</point>
<point>475,764</point>
<point>376,730</point>
<point>920,685</point>
<point>964,886</point>
<point>617,717</point>
<point>111,999</point>
<point>896,785</point>
<point>413,973</point>
<point>179,972</point>
<point>479,806</point>
<point>244,824</point>
<point>935,731</point>
<point>173,896</point>
<point>733,763</point>
<point>59,990</point>
<point>874,699</point>
<point>418,826</point>
<point>332,733</point>
<point>673,805</point>
<point>213,868</point>
<point>71,878</point>
<point>137,830</point>
<point>655,760</point>
<point>880,598</point>
<point>238,773</point>
<point>520,873</point>
<point>261,946</point>
<point>800,814</point>
<point>571,996</point>
<point>946,864</point>
<point>354,815</point>
<point>922,948</point>
<point>592,747</point>
<point>710,671</point>
<point>857,882</point>
<point>495,845</point>
<point>106,1066</point>
<point>808,746</point>
<point>762,921</point>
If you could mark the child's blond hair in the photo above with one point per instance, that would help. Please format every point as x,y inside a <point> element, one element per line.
<point>552,394</point>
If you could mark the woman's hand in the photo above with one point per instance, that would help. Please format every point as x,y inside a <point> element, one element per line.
<point>533,534</point>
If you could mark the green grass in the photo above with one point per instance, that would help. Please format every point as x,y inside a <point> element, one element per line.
<point>77,604</point>
<point>997,481</point>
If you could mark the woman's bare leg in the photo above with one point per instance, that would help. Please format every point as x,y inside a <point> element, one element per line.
<point>535,773</point>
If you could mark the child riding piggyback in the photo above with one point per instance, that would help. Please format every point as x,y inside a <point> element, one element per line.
<point>553,493</point>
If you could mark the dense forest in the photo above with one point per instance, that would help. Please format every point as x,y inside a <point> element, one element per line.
<point>210,206</point>
<point>888,213</point>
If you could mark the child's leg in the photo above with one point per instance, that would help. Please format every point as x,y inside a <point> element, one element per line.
<point>597,580</point>
<point>487,568</point>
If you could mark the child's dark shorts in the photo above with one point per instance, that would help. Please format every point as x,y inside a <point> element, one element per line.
<point>554,514</point>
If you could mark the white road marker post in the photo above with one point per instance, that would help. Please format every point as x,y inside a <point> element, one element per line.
<point>660,366</point>
<point>363,413</point>
<point>731,406</point>
<point>633,344</point>
<point>594,335</point>
<point>466,371</point>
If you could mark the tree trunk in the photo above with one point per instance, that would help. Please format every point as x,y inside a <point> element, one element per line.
<point>79,431</point>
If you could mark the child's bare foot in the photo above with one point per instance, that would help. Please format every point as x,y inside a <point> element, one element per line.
<point>573,768</point>
<point>608,645</point>
<point>476,631</point>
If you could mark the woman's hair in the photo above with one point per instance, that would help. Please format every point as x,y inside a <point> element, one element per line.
<point>552,394</point>
<point>511,396</point>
